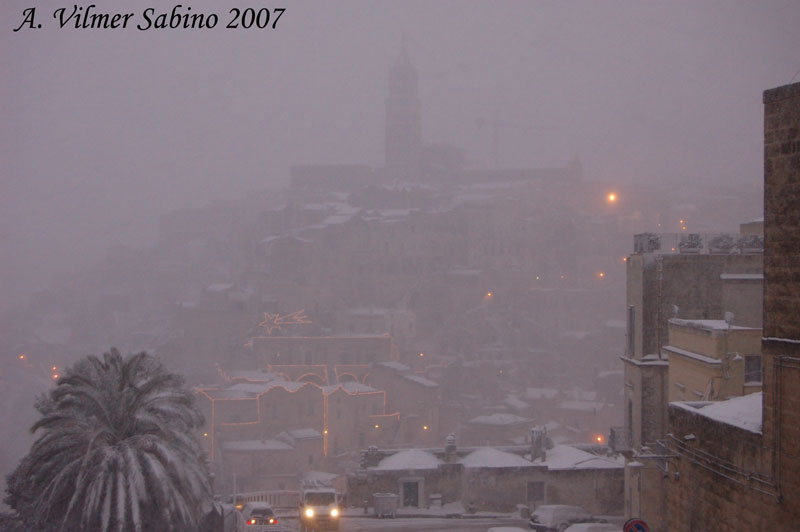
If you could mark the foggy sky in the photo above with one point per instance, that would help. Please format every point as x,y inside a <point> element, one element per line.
<point>103,130</point>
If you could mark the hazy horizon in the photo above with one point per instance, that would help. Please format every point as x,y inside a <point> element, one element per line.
<point>107,129</point>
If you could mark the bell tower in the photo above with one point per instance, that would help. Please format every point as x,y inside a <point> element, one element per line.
<point>403,131</point>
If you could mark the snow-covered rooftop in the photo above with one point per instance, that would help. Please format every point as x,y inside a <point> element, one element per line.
<point>563,457</point>
<point>710,325</point>
<point>491,457</point>
<point>393,364</point>
<point>349,387</point>
<point>515,402</point>
<point>252,376</point>
<point>304,434</point>
<point>692,355</point>
<point>498,419</point>
<point>421,380</point>
<point>743,412</point>
<point>409,459</point>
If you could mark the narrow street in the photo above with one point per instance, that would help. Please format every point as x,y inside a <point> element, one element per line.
<point>361,524</point>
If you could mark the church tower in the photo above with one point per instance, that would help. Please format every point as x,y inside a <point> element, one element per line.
<point>403,135</point>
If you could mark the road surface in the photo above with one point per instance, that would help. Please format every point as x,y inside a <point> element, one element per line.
<point>368,524</point>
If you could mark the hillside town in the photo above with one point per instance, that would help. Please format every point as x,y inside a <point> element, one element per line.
<point>430,339</point>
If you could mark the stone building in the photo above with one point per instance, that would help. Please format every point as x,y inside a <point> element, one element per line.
<point>260,424</point>
<point>492,478</point>
<point>694,277</point>
<point>735,464</point>
<point>712,360</point>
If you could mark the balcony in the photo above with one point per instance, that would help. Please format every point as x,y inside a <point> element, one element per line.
<point>698,243</point>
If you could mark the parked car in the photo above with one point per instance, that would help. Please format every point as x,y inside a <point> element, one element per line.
<point>594,527</point>
<point>557,517</point>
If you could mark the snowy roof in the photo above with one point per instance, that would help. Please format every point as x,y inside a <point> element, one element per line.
<point>692,355</point>
<point>541,393</point>
<point>409,459</point>
<point>562,457</point>
<point>255,445</point>
<point>392,364</point>
<point>743,412</point>
<point>318,479</point>
<point>710,325</point>
<point>421,380</point>
<point>515,402</point>
<point>253,376</point>
<point>304,434</point>
<point>349,387</point>
<point>490,457</point>
<point>498,419</point>
<point>256,388</point>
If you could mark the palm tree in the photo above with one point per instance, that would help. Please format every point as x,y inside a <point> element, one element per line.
<point>116,451</point>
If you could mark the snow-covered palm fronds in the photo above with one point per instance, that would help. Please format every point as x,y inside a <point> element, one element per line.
<point>116,451</point>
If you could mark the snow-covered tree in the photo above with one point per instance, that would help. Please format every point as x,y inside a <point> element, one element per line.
<point>116,451</point>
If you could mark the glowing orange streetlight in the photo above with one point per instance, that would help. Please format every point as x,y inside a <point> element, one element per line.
<point>599,438</point>
<point>422,354</point>
<point>55,376</point>
<point>424,427</point>
<point>612,197</point>
<point>601,274</point>
<point>22,357</point>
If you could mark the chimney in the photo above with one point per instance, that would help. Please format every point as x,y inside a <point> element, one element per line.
<point>450,455</point>
<point>538,445</point>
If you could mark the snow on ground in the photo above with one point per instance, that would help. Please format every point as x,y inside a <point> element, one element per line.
<point>743,412</point>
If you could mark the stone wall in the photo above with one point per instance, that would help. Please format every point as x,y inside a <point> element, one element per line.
<point>714,484</point>
<point>782,211</point>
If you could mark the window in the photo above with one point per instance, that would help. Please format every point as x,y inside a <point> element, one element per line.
<point>752,369</point>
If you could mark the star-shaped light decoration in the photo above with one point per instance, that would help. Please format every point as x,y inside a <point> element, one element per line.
<point>273,322</point>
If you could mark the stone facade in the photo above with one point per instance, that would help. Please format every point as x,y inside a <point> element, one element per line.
<point>729,477</point>
<point>708,358</point>
<point>662,278</point>
<point>500,480</point>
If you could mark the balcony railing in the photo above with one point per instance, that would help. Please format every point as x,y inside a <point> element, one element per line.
<point>694,243</point>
